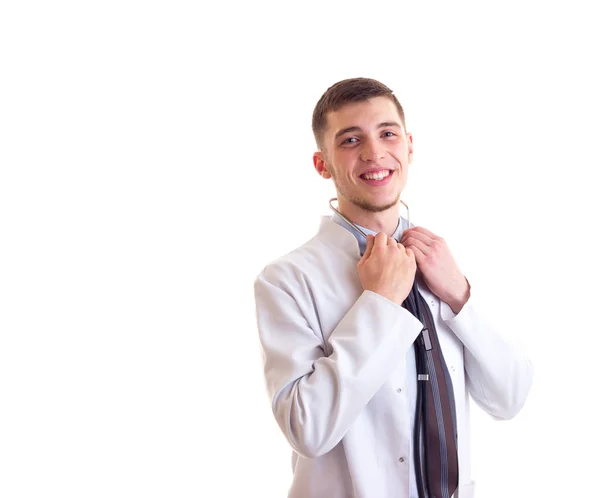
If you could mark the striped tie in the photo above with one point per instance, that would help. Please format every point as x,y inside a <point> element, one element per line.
<point>436,409</point>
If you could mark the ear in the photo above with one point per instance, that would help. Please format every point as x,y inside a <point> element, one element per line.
<point>320,165</point>
<point>409,142</point>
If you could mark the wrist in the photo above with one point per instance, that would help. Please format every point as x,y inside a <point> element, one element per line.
<point>458,301</point>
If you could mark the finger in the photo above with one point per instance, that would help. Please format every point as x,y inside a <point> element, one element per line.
<point>416,235</point>
<point>414,242</point>
<point>418,255</point>
<point>380,240</point>
<point>424,231</point>
<point>370,242</point>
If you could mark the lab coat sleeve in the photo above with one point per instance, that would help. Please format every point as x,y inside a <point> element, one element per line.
<point>498,374</point>
<point>317,391</point>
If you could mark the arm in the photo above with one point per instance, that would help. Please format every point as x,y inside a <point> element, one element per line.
<point>498,374</point>
<point>317,396</point>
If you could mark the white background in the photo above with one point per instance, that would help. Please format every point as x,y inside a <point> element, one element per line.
<point>156,155</point>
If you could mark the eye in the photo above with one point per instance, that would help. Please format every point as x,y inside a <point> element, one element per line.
<point>389,134</point>
<point>350,140</point>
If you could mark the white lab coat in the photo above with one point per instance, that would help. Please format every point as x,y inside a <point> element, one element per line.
<point>335,370</point>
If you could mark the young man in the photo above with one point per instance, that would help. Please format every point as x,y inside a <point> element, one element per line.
<point>372,345</point>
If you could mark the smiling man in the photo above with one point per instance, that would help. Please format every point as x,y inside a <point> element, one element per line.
<point>372,342</point>
<point>368,160</point>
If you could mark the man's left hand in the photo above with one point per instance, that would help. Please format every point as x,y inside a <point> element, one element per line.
<point>436,264</point>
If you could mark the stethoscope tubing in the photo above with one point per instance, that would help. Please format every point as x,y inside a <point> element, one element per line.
<point>352,224</point>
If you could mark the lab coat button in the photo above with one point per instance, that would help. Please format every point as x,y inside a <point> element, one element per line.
<point>399,390</point>
<point>401,459</point>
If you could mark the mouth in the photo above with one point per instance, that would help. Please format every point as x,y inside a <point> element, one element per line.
<point>377,177</point>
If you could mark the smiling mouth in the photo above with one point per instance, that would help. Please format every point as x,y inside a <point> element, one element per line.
<point>376,176</point>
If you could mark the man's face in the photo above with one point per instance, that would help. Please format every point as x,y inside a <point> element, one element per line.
<point>367,152</point>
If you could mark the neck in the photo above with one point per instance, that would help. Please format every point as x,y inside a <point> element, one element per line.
<point>382,221</point>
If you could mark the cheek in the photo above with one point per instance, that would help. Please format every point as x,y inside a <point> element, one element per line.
<point>400,154</point>
<point>343,164</point>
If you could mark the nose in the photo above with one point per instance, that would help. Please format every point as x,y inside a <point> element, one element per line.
<point>372,151</point>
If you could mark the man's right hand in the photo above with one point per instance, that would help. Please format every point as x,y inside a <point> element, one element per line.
<point>387,268</point>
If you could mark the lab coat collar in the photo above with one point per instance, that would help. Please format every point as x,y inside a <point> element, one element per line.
<point>345,239</point>
<point>336,235</point>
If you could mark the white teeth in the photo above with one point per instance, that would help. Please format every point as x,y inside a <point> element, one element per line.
<point>377,176</point>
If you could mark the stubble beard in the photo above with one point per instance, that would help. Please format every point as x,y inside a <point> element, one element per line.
<point>362,203</point>
<point>357,201</point>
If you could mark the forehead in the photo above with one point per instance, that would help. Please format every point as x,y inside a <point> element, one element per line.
<point>366,114</point>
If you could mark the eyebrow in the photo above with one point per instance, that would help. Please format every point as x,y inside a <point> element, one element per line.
<point>352,129</point>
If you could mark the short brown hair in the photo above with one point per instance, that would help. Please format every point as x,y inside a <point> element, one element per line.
<point>342,93</point>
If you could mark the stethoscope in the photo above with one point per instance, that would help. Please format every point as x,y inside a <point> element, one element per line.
<point>356,227</point>
<point>421,367</point>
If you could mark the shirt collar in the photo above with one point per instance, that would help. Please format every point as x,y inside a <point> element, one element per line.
<point>362,241</point>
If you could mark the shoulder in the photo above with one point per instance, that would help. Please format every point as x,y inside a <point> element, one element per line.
<point>293,265</point>
<point>331,247</point>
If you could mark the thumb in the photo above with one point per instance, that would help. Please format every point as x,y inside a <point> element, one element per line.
<point>370,242</point>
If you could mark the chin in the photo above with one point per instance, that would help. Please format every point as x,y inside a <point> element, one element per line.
<point>376,207</point>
